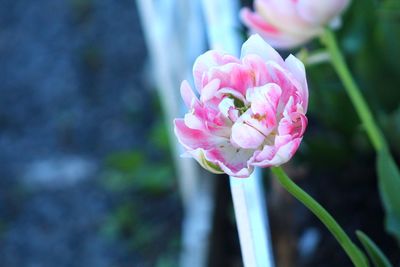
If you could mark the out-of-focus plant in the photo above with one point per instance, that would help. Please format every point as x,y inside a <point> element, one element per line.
<point>141,179</point>
<point>147,171</point>
<point>376,255</point>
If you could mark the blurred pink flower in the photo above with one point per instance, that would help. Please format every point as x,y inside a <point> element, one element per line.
<point>251,111</point>
<point>290,23</point>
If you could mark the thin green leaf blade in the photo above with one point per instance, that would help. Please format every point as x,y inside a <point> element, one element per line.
<point>389,187</point>
<point>378,258</point>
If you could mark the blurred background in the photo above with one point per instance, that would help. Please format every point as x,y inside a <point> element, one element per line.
<point>86,172</point>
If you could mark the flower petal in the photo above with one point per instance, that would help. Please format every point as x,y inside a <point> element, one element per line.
<point>320,12</point>
<point>256,45</point>
<point>225,105</point>
<point>288,83</point>
<point>277,11</point>
<point>294,126</point>
<point>246,136</point>
<point>193,138</point>
<point>194,122</point>
<point>207,61</point>
<point>264,100</point>
<point>272,156</point>
<point>296,67</point>
<point>187,94</point>
<point>209,90</point>
<point>233,161</point>
<point>235,76</point>
<point>255,21</point>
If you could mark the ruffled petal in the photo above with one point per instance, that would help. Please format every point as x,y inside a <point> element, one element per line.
<point>256,45</point>
<point>187,94</point>
<point>296,67</point>
<point>193,138</point>
<point>320,12</point>
<point>209,90</point>
<point>264,102</point>
<point>276,12</point>
<point>234,76</point>
<point>288,83</point>
<point>294,126</point>
<point>209,60</point>
<point>233,161</point>
<point>246,136</point>
<point>275,156</point>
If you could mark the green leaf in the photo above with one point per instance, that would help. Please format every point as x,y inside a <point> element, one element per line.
<point>378,258</point>
<point>389,187</point>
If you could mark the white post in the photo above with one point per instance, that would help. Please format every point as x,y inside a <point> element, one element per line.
<point>157,18</point>
<point>169,27</point>
<point>247,193</point>
<point>251,218</point>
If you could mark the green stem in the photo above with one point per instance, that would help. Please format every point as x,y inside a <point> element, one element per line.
<point>353,91</point>
<point>356,256</point>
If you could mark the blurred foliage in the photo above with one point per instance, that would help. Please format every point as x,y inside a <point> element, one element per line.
<point>389,185</point>
<point>148,171</point>
<point>371,43</point>
<point>145,184</point>
<point>370,40</point>
<point>376,255</point>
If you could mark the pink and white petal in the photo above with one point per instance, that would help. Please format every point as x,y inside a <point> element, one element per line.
<point>233,161</point>
<point>256,22</point>
<point>281,140</point>
<point>295,126</point>
<point>193,122</point>
<point>282,155</point>
<point>287,82</point>
<point>209,90</point>
<point>233,114</point>
<point>298,127</point>
<point>193,138</point>
<point>270,33</point>
<point>253,20</point>
<point>320,12</point>
<point>225,105</point>
<point>284,16</point>
<point>187,94</point>
<point>296,67</point>
<point>258,67</point>
<point>264,100</point>
<point>242,173</point>
<point>289,108</point>
<point>267,153</point>
<point>246,136</point>
<point>234,76</point>
<point>256,45</point>
<point>207,61</point>
<point>285,126</point>
<point>285,41</point>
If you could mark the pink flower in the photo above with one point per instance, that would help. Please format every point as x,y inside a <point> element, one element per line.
<point>290,23</point>
<point>251,111</point>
